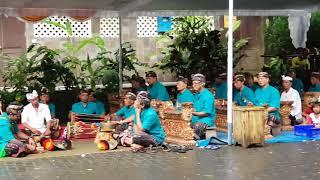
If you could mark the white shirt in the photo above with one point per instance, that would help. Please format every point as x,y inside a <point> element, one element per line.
<point>315,120</point>
<point>293,95</point>
<point>34,118</point>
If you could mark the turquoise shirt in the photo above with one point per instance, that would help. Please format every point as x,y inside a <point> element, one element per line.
<point>270,96</point>
<point>184,97</point>
<point>90,108</point>
<point>222,91</point>
<point>100,107</point>
<point>297,85</point>
<point>254,87</point>
<point>52,108</point>
<point>7,128</point>
<point>315,88</point>
<point>159,92</point>
<point>151,124</point>
<point>126,112</point>
<point>204,102</point>
<point>242,98</point>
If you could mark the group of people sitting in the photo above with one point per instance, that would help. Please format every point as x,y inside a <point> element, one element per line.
<point>37,119</point>
<point>138,124</point>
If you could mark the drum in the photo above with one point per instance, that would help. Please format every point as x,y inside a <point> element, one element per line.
<point>249,124</point>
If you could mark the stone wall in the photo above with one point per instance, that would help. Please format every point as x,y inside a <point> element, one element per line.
<point>251,27</point>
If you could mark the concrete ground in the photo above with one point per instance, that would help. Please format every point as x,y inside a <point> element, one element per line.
<point>79,147</point>
<point>277,161</point>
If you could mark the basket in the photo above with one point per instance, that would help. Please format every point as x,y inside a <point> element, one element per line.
<point>309,131</point>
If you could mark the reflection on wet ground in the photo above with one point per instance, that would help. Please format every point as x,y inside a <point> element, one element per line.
<point>278,161</point>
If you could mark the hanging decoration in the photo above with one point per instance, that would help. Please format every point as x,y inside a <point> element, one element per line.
<point>33,19</point>
<point>81,18</point>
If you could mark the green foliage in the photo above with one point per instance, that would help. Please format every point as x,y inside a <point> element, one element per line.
<point>90,71</point>
<point>7,97</point>
<point>314,29</point>
<point>38,67</point>
<point>277,35</point>
<point>194,48</point>
<point>110,79</point>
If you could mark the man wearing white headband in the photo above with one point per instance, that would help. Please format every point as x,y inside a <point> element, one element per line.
<point>34,116</point>
<point>290,94</point>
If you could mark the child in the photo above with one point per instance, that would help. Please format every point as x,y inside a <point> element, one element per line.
<point>314,118</point>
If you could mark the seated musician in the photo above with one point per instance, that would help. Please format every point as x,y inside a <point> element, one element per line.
<point>125,115</point>
<point>147,129</point>
<point>268,96</point>
<point>221,83</point>
<point>36,118</point>
<point>13,142</point>
<point>297,84</point>
<point>100,106</point>
<point>290,94</point>
<point>315,82</point>
<point>243,96</point>
<point>204,109</point>
<point>45,99</point>
<point>251,81</point>
<point>138,84</point>
<point>156,89</point>
<point>84,106</point>
<point>184,95</point>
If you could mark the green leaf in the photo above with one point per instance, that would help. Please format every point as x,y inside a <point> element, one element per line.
<point>56,24</point>
<point>68,28</point>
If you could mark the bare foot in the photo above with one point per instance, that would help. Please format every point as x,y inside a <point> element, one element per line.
<point>269,136</point>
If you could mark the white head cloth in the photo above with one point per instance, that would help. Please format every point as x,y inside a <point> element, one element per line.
<point>32,95</point>
<point>286,78</point>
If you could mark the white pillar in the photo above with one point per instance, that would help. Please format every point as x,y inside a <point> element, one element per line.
<point>230,72</point>
<point>120,54</point>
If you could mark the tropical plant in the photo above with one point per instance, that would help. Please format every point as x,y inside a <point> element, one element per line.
<point>194,48</point>
<point>42,69</point>
<point>314,29</point>
<point>277,35</point>
<point>90,71</point>
<point>276,67</point>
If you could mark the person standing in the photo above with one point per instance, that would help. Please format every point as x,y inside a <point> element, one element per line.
<point>290,94</point>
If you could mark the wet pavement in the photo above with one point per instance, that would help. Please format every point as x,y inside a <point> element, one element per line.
<point>278,161</point>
